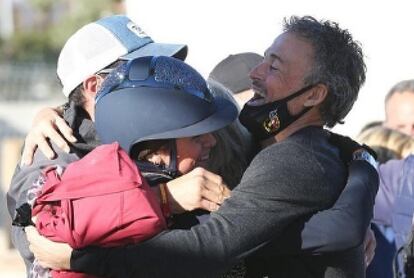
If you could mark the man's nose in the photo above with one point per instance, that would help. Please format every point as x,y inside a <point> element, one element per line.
<point>258,72</point>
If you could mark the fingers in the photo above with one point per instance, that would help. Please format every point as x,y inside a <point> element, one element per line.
<point>48,125</point>
<point>214,189</point>
<point>209,206</point>
<point>211,196</point>
<point>45,148</point>
<point>214,192</point>
<point>211,181</point>
<point>48,253</point>
<point>369,256</point>
<point>31,233</point>
<point>65,130</point>
<point>370,244</point>
<point>36,139</point>
<point>226,193</point>
<point>197,189</point>
<point>28,153</point>
<point>34,238</point>
<point>55,137</point>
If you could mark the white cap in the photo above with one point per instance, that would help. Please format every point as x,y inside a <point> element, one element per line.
<point>99,44</point>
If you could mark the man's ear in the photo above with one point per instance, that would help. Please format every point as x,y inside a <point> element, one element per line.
<point>317,95</point>
<point>92,84</point>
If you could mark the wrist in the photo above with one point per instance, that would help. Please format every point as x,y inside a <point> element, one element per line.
<point>66,262</point>
<point>175,207</point>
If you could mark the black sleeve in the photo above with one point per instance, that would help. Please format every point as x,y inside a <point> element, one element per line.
<point>269,199</point>
<point>339,228</point>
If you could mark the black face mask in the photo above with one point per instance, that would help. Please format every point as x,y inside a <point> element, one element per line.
<point>267,120</point>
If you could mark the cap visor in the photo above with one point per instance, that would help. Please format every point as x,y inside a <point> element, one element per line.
<point>178,51</point>
<point>225,114</point>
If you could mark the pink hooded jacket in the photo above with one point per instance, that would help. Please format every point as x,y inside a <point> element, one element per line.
<point>101,199</point>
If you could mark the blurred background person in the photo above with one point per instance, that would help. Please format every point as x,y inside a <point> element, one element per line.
<point>393,209</point>
<point>387,143</point>
<point>399,107</point>
<point>233,74</point>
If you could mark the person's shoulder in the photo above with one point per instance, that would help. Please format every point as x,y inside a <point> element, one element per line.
<point>282,159</point>
<point>392,170</point>
<point>397,163</point>
<point>61,158</point>
<point>299,146</point>
<point>409,158</point>
<point>278,152</point>
<point>306,157</point>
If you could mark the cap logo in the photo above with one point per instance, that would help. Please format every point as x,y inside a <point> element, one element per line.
<point>136,30</point>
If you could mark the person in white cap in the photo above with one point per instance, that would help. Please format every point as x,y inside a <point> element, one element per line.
<point>86,58</point>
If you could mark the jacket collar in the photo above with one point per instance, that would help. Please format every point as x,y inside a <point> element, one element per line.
<point>83,129</point>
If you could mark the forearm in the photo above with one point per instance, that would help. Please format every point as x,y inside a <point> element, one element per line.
<point>230,235</point>
<point>159,257</point>
<point>339,228</point>
<point>178,253</point>
<point>211,248</point>
<point>345,224</point>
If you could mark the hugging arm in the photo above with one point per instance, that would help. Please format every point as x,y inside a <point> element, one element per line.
<point>48,126</point>
<point>341,227</point>
<point>346,223</point>
<point>260,209</point>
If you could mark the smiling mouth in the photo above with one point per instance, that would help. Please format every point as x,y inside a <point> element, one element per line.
<point>258,98</point>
